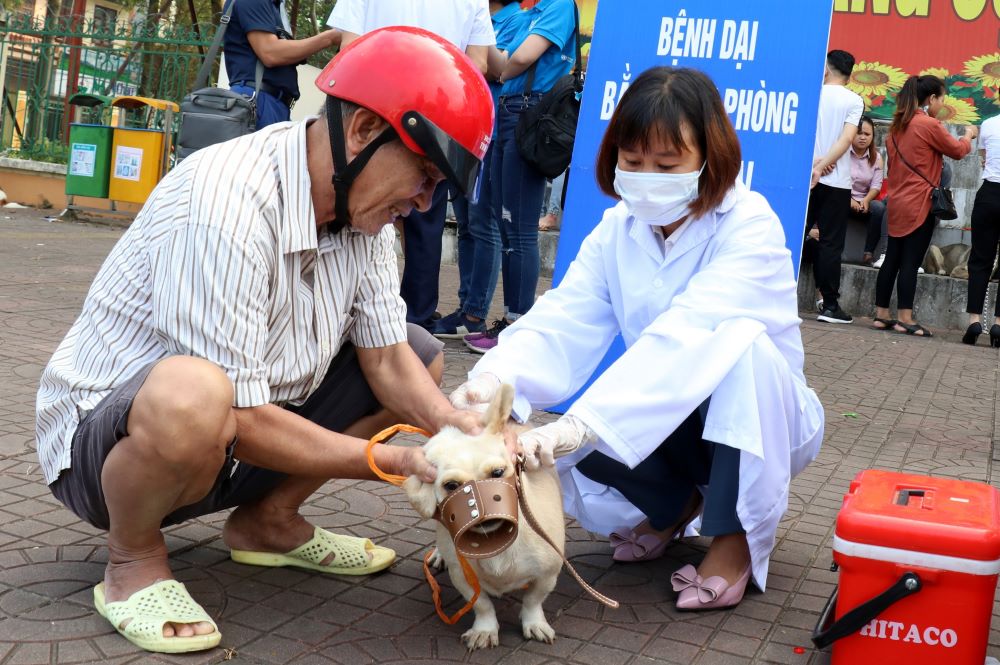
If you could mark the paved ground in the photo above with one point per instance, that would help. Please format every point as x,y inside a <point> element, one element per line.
<point>926,406</point>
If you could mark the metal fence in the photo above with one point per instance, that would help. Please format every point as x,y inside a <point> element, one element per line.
<point>150,58</point>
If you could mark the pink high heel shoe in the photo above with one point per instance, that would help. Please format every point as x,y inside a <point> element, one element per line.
<point>711,594</point>
<point>630,546</point>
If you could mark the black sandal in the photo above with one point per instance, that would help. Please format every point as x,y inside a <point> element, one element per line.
<point>888,323</point>
<point>914,329</point>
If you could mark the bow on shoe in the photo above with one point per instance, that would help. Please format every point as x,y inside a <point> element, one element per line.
<point>688,578</point>
<point>629,546</point>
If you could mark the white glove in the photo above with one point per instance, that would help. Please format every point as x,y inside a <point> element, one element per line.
<point>544,444</point>
<point>476,393</point>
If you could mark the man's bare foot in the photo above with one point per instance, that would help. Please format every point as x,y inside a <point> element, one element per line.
<point>257,528</point>
<point>127,573</point>
<point>728,557</point>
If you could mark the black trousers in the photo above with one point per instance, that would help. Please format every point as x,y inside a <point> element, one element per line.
<point>422,233</point>
<point>902,258</point>
<point>828,208</point>
<point>985,238</point>
<point>663,483</point>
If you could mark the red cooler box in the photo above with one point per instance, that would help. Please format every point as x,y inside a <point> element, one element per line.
<point>918,559</point>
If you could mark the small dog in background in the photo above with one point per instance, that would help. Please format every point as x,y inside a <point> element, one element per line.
<point>529,562</point>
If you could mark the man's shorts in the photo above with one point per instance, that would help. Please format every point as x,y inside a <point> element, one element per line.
<point>342,399</point>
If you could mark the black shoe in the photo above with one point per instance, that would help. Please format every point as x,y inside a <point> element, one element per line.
<point>972,333</point>
<point>995,336</point>
<point>835,315</point>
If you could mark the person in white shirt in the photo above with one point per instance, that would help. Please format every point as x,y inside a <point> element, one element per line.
<point>468,25</point>
<point>829,202</point>
<point>691,269</point>
<point>985,234</point>
<point>245,336</point>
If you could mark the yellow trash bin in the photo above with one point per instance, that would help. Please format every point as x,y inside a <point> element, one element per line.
<point>140,155</point>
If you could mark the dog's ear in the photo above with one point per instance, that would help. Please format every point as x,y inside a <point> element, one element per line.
<point>421,496</point>
<point>495,418</point>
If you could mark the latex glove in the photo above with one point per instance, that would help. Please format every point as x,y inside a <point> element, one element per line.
<point>476,393</point>
<point>543,444</point>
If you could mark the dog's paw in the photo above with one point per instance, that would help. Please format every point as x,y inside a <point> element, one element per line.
<point>436,561</point>
<point>538,630</point>
<point>481,639</point>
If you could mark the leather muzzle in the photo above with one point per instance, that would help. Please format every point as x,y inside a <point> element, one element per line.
<point>472,504</point>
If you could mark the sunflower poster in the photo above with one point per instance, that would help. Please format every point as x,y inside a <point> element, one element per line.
<point>955,40</point>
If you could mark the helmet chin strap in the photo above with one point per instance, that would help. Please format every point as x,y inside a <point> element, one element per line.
<point>344,174</point>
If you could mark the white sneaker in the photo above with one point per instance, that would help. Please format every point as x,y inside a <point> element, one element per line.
<point>878,264</point>
<point>920,271</point>
<point>819,305</point>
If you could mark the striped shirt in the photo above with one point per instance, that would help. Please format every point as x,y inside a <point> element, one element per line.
<point>225,262</point>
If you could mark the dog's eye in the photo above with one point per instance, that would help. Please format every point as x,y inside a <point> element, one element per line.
<point>498,473</point>
<point>451,485</point>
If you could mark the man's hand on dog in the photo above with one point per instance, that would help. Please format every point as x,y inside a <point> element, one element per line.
<point>543,445</point>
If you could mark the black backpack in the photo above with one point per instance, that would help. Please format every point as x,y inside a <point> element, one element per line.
<point>546,131</point>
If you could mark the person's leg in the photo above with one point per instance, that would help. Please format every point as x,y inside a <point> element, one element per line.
<point>664,485</point>
<point>832,223</point>
<point>522,190</point>
<point>728,556</point>
<point>156,443</point>
<point>552,208</point>
<point>985,236</point>
<point>874,240</point>
<point>422,262</point>
<point>887,277</point>
<point>484,228</point>
<point>464,243</point>
<point>914,247</point>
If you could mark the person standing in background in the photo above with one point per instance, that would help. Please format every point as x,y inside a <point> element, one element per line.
<point>259,31</point>
<point>985,234</point>
<point>829,202</point>
<point>543,51</point>
<point>467,24</point>
<point>915,148</point>
<point>479,223</point>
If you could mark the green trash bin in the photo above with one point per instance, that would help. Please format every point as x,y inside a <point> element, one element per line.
<point>89,160</point>
<point>90,148</point>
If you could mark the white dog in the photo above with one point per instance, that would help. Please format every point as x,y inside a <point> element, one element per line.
<point>529,562</point>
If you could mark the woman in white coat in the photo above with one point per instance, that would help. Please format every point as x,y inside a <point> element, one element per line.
<point>707,412</point>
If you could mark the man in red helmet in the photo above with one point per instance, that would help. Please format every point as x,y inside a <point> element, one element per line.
<point>245,336</point>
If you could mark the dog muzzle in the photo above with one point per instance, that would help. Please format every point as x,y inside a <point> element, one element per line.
<point>481,516</point>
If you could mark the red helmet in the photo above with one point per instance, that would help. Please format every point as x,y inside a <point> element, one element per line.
<point>432,95</point>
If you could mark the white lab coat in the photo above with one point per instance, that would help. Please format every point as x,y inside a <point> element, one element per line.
<point>717,316</point>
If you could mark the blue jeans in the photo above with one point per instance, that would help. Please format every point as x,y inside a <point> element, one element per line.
<point>519,188</point>
<point>422,233</point>
<point>269,108</point>
<point>478,247</point>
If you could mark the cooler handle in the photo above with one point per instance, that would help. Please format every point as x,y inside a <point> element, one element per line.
<point>827,631</point>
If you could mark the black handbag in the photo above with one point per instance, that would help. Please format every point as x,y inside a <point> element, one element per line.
<point>942,200</point>
<point>545,132</point>
<point>212,115</point>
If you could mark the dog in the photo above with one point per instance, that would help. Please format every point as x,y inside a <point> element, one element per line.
<point>529,562</point>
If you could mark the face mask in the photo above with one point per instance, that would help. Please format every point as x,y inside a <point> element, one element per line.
<point>657,199</point>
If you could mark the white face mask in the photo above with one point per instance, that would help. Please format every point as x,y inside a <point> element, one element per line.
<point>657,199</point>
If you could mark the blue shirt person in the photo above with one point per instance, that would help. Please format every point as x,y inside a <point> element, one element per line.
<point>259,31</point>
<point>555,22</point>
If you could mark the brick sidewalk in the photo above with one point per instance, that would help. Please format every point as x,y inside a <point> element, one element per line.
<point>926,406</point>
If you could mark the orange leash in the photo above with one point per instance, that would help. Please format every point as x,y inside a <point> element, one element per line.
<point>382,437</point>
<point>470,575</point>
<point>470,579</point>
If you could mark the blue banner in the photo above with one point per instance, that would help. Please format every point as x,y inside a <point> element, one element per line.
<point>767,59</point>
